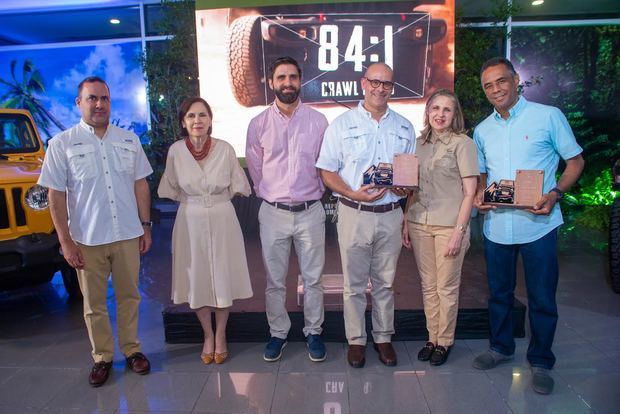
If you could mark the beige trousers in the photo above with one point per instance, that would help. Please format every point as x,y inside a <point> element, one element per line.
<point>122,259</point>
<point>306,230</point>
<point>369,248</point>
<point>441,278</point>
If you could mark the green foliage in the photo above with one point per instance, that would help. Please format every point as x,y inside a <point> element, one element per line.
<point>171,68</point>
<point>579,72</point>
<point>595,190</point>
<point>474,46</point>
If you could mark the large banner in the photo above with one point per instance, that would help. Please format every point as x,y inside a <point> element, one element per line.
<point>334,44</point>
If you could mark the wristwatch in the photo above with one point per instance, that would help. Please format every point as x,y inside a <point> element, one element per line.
<point>147,224</point>
<point>559,192</point>
<point>462,228</point>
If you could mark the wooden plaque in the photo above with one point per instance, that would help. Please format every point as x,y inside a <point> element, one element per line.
<point>524,192</point>
<point>406,168</point>
<point>528,188</point>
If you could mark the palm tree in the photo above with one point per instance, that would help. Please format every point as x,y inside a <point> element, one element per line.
<point>22,95</point>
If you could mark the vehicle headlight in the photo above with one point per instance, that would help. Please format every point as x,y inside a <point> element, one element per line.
<point>36,197</point>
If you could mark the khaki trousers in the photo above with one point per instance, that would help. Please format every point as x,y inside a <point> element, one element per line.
<point>122,259</point>
<point>441,278</point>
<point>369,248</point>
<point>306,230</point>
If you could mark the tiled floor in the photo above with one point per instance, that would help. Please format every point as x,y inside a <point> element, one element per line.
<point>44,363</point>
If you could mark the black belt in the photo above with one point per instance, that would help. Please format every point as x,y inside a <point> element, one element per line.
<point>294,209</point>
<point>373,209</point>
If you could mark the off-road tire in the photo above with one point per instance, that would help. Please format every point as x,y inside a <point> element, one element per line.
<point>69,279</point>
<point>614,245</point>
<point>243,46</point>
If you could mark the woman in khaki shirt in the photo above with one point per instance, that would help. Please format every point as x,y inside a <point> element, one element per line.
<point>437,216</point>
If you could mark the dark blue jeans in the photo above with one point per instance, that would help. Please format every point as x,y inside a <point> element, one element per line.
<point>540,263</point>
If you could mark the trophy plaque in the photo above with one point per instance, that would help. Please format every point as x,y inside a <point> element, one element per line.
<point>522,192</point>
<point>402,173</point>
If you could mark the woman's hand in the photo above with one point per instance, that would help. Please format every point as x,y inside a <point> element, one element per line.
<point>405,235</point>
<point>454,244</point>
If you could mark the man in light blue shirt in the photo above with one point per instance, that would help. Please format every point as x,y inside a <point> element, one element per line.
<point>369,219</point>
<point>522,135</point>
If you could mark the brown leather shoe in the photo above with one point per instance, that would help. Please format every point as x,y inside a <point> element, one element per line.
<point>355,356</point>
<point>99,373</point>
<point>138,363</point>
<point>387,355</point>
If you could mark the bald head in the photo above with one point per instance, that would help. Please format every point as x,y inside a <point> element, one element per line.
<point>380,68</point>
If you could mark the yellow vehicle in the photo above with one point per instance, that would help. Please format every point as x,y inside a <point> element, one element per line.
<point>29,247</point>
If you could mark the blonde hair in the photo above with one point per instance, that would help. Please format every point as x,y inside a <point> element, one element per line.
<point>458,121</point>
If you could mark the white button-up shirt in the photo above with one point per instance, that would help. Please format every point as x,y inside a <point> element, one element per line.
<point>98,176</point>
<point>355,140</point>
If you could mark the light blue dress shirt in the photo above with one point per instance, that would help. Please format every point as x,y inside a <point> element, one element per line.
<point>534,137</point>
<point>355,140</point>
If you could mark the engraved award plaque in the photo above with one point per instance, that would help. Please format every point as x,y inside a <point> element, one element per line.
<point>522,192</point>
<point>402,173</point>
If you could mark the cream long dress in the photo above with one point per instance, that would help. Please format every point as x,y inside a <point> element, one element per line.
<point>209,266</point>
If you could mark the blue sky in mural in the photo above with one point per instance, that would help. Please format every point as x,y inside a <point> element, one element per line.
<point>62,69</point>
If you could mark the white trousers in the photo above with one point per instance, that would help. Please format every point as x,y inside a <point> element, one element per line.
<point>306,229</point>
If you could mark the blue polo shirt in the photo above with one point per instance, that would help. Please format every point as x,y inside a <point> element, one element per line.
<point>534,137</point>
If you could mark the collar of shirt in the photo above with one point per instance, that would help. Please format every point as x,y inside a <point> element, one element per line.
<point>514,111</point>
<point>90,129</point>
<point>360,107</point>
<point>274,107</point>
<point>444,137</point>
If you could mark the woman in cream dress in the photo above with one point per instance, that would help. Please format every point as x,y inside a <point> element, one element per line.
<point>209,268</point>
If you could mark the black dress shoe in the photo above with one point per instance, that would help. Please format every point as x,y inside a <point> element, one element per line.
<point>426,352</point>
<point>387,354</point>
<point>355,356</point>
<point>440,355</point>
<point>99,373</point>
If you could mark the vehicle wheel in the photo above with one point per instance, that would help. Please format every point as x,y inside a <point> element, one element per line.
<point>614,245</point>
<point>69,279</point>
<point>244,61</point>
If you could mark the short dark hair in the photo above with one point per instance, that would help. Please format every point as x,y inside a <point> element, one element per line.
<point>91,79</point>
<point>184,108</point>
<point>284,60</point>
<point>498,61</point>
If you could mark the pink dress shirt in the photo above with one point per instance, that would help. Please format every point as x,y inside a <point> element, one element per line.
<point>281,153</point>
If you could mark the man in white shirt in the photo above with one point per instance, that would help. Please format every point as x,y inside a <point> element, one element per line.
<point>369,219</point>
<point>100,205</point>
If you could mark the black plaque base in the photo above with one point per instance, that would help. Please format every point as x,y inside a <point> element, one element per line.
<point>182,326</point>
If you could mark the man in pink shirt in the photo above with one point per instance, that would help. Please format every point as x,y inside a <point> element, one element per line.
<point>283,144</point>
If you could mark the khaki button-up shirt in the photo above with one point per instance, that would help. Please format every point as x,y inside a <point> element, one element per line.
<point>444,161</point>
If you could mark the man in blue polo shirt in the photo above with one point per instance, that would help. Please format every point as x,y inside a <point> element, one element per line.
<point>522,135</point>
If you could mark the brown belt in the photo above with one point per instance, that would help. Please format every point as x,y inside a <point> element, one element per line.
<point>294,209</point>
<point>373,209</point>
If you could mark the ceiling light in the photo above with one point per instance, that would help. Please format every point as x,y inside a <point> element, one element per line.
<point>537,2</point>
<point>115,21</point>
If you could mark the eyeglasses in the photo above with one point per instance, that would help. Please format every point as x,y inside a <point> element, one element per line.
<point>387,85</point>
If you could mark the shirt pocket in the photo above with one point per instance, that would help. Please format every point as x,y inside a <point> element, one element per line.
<point>82,161</point>
<point>355,145</point>
<point>446,165</point>
<point>124,157</point>
<point>400,143</point>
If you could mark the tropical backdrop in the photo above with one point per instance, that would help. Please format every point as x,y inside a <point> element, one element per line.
<point>44,81</point>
